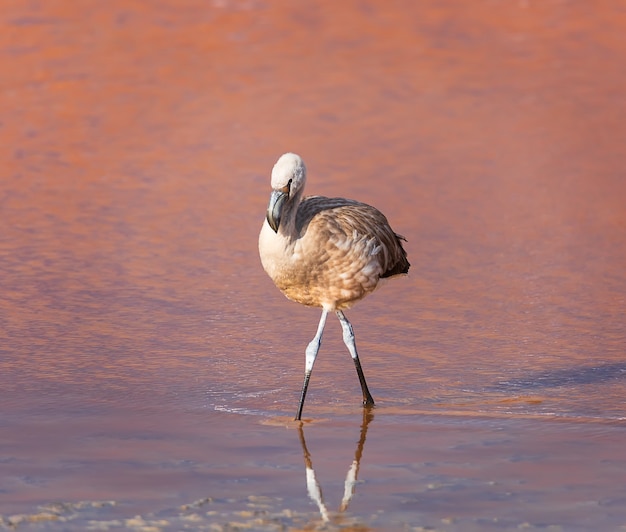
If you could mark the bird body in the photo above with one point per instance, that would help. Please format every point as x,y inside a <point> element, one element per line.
<point>334,254</point>
<point>325,252</point>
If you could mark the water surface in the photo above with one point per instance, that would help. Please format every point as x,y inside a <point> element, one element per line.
<point>149,369</point>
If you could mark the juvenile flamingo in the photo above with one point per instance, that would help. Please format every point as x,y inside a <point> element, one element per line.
<point>325,252</point>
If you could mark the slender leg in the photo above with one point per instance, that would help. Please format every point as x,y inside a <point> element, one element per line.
<point>348,339</point>
<point>311,353</point>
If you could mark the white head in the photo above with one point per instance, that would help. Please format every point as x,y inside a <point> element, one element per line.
<point>288,178</point>
<point>289,171</point>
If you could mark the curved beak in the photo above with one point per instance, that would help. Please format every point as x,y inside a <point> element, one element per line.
<point>275,208</point>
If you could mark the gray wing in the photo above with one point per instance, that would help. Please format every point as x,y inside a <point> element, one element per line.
<point>350,223</point>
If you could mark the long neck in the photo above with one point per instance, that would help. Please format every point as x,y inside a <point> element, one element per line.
<point>288,218</point>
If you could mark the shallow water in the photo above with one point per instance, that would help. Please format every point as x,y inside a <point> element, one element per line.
<point>149,370</point>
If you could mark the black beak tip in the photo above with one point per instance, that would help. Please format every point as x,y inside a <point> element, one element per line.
<point>272,222</point>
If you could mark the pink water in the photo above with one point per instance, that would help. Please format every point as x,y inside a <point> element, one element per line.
<point>147,363</point>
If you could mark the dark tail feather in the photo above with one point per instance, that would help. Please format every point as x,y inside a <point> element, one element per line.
<point>402,265</point>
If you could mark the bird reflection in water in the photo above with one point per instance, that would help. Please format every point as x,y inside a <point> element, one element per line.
<point>313,488</point>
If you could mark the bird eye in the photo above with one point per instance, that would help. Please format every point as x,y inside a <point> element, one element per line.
<point>287,188</point>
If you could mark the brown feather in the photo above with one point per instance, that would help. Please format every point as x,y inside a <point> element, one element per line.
<point>331,252</point>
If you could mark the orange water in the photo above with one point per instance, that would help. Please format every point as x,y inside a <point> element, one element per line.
<point>145,357</point>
